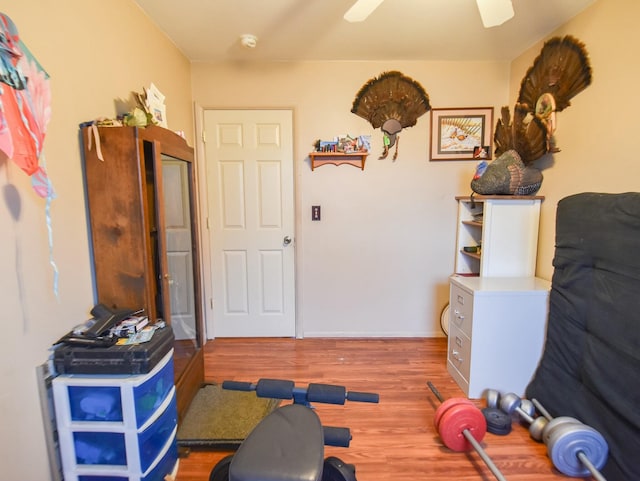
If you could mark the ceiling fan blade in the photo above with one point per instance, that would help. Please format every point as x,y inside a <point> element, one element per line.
<point>360,10</point>
<point>495,12</point>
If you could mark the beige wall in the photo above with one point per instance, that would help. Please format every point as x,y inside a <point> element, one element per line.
<point>378,262</point>
<point>96,53</point>
<point>597,133</point>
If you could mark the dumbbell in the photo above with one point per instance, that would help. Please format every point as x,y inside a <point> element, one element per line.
<point>461,426</point>
<point>493,401</point>
<point>575,449</point>
<point>512,403</point>
<point>539,427</point>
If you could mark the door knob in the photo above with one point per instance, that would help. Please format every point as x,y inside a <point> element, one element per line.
<point>287,240</point>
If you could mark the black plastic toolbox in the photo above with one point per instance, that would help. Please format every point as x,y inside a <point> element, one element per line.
<point>116,359</point>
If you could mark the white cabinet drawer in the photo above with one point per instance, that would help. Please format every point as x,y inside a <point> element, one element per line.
<point>496,332</point>
<point>460,351</point>
<point>461,310</point>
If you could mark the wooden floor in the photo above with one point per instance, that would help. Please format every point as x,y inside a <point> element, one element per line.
<point>394,440</point>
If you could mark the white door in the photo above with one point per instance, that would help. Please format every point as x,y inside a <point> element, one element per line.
<point>249,156</point>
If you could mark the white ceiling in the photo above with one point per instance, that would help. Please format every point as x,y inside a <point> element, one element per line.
<point>298,30</point>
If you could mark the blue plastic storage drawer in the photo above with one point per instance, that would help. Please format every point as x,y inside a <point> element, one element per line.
<point>117,427</point>
<point>128,400</point>
<point>165,465</point>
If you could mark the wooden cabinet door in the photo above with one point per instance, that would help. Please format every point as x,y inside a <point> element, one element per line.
<point>117,206</point>
<point>144,236</point>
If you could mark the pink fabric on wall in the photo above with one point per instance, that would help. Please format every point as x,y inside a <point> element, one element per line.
<point>25,100</point>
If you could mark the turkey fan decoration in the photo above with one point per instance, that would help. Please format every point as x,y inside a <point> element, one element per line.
<point>560,72</point>
<point>391,102</point>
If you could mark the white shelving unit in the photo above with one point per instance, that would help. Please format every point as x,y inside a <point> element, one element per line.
<point>497,307</point>
<point>496,332</point>
<point>506,229</point>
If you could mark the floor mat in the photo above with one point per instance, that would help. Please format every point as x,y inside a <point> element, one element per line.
<point>222,419</point>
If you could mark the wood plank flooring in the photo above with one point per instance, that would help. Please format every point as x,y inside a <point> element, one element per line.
<point>393,440</point>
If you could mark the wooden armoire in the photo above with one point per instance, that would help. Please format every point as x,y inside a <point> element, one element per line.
<point>140,188</point>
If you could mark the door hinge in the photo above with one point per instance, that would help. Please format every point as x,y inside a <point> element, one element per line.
<point>204,137</point>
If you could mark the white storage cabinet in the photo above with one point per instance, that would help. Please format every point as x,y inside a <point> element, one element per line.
<point>496,332</point>
<point>506,229</point>
<point>117,427</point>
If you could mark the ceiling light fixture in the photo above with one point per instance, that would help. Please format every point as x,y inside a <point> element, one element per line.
<point>492,12</point>
<point>360,10</point>
<point>248,41</point>
<point>495,12</point>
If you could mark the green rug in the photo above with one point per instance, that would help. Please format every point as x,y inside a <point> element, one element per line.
<point>222,419</point>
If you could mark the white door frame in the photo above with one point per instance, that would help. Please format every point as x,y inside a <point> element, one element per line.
<point>203,216</point>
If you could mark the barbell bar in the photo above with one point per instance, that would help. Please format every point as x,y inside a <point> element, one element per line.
<point>461,425</point>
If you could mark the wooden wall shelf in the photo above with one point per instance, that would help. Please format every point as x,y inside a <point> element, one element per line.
<point>356,159</point>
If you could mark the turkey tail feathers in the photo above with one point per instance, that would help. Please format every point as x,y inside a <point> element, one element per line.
<point>531,135</point>
<point>391,95</point>
<point>562,69</point>
<point>503,137</point>
<point>527,134</point>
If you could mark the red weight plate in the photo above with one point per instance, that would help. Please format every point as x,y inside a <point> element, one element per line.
<point>454,401</point>
<point>458,418</point>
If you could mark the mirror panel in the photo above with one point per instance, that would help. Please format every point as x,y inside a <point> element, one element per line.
<point>180,260</point>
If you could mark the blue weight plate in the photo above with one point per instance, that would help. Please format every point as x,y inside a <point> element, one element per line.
<point>567,440</point>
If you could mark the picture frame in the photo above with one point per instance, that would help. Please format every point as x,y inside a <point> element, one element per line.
<point>462,133</point>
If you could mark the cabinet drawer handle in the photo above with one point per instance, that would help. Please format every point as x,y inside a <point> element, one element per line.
<point>459,317</point>
<point>456,356</point>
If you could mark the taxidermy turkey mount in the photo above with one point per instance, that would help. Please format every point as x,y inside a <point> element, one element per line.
<point>392,101</point>
<point>560,72</point>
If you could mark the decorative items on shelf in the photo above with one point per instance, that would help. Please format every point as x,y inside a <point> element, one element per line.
<point>344,144</point>
<point>344,149</point>
<point>146,109</point>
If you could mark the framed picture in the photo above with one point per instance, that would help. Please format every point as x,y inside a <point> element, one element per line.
<point>461,133</point>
